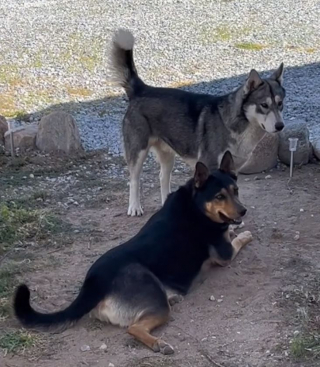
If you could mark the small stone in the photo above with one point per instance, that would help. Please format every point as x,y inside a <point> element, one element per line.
<point>111,365</point>
<point>181,337</point>
<point>257,178</point>
<point>296,332</point>
<point>268,177</point>
<point>212,298</point>
<point>85,348</point>
<point>316,148</point>
<point>296,237</point>
<point>301,210</point>
<point>59,133</point>
<point>247,179</point>
<point>31,175</point>
<point>3,128</point>
<point>24,137</point>
<point>220,300</point>
<point>295,129</point>
<point>264,156</point>
<point>103,346</point>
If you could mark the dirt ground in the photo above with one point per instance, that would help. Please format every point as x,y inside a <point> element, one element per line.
<point>265,306</point>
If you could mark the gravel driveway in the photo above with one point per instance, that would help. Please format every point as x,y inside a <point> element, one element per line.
<point>54,54</point>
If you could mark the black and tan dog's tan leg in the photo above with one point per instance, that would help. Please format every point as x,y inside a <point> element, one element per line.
<point>240,241</point>
<point>141,331</point>
<point>237,244</point>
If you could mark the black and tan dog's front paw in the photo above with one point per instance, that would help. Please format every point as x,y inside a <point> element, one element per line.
<point>163,347</point>
<point>245,238</point>
<point>174,299</point>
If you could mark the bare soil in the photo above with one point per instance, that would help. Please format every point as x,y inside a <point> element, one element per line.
<point>256,315</point>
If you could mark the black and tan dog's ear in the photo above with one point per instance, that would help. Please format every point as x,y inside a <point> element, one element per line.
<point>227,165</point>
<point>278,74</point>
<point>253,82</point>
<point>201,175</point>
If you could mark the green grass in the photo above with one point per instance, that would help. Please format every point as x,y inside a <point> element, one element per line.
<point>7,282</point>
<point>250,46</point>
<point>306,346</point>
<point>19,224</point>
<point>223,33</point>
<point>17,340</point>
<point>5,309</point>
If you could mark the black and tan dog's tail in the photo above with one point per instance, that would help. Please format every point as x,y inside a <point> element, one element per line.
<point>122,63</point>
<point>87,299</point>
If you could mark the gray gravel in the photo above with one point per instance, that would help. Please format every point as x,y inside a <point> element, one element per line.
<point>54,54</point>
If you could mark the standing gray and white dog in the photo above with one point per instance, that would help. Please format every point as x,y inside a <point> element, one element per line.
<point>197,127</point>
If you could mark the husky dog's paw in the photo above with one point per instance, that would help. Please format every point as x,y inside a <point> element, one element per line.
<point>245,237</point>
<point>174,299</point>
<point>135,210</point>
<point>163,347</point>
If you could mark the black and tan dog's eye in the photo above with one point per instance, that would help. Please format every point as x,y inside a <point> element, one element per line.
<point>236,192</point>
<point>280,104</point>
<point>264,105</point>
<point>220,197</point>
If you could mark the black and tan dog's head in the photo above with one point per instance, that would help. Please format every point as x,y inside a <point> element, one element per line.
<point>216,194</point>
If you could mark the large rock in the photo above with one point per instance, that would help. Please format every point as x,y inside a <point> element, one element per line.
<point>295,129</point>
<point>316,148</point>
<point>3,128</point>
<point>264,156</point>
<point>58,133</point>
<point>24,137</point>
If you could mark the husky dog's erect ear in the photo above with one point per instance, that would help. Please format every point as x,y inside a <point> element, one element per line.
<point>227,164</point>
<point>252,82</point>
<point>201,175</point>
<point>278,74</point>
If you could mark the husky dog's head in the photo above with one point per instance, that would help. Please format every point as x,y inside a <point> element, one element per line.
<point>263,100</point>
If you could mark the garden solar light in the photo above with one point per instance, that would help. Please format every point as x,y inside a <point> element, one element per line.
<point>292,147</point>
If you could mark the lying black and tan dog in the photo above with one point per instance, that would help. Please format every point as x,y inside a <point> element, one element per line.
<point>130,285</point>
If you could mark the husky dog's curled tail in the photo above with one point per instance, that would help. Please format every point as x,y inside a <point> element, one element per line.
<point>122,63</point>
<point>87,299</point>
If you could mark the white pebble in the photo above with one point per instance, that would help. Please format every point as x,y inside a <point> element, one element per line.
<point>103,346</point>
<point>85,348</point>
<point>268,177</point>
<point>212,298</point>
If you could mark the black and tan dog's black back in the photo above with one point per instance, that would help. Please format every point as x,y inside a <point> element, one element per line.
<point>129,285</point>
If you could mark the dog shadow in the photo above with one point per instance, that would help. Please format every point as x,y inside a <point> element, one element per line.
<point>302,84</point>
